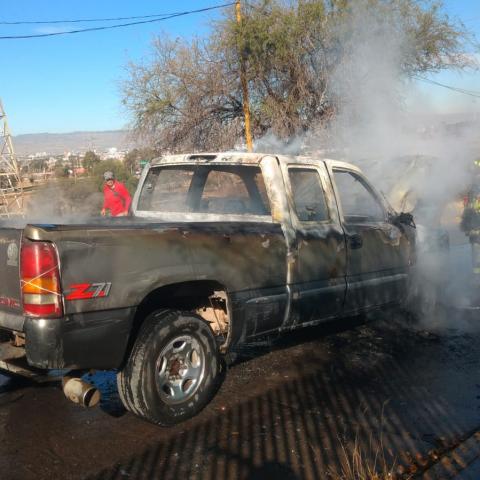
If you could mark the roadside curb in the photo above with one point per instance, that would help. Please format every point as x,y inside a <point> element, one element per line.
<point>451,465</point>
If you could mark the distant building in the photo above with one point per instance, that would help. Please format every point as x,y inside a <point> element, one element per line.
<point>113,152</point>
<point>51,163</point>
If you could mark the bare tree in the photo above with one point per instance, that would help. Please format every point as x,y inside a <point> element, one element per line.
<point>188,96</point>
<point>186,99</point>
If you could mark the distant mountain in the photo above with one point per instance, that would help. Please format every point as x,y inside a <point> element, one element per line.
<point>58,143</point>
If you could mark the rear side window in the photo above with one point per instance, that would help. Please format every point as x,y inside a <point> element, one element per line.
<point>166,190</point>
<point>214,189</point>
<point>359,204</point>
<point>225,192</point>
<point>308,195</point>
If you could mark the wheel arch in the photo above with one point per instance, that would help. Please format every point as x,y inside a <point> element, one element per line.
<point>207,298</point>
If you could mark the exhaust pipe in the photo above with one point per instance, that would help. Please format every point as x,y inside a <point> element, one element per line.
<point>78,391</point>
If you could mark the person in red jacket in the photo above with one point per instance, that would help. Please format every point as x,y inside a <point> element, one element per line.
<point>115,197</point>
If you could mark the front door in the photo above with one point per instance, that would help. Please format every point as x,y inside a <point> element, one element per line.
<point>319,256</point>
<point>378,252</point>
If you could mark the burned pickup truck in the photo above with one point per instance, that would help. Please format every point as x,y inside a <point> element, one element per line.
<point>220,248</point>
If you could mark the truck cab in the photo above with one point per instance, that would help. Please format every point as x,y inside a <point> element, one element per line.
<point>344,250</point>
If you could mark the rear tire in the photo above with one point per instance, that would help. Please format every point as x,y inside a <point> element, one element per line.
<point>173,370</point>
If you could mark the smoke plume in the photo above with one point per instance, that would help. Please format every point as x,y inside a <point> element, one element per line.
<point>407,151</point>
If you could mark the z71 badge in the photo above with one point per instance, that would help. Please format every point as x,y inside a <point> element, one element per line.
<point>82,291</point>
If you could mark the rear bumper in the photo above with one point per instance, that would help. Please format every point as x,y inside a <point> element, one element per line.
<point>96,340</point>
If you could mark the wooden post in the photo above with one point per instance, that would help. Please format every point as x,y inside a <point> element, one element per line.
<point>243,80</point>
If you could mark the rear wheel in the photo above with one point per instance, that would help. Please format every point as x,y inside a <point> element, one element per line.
<point>173,369</point>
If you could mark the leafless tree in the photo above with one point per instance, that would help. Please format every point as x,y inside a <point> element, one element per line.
<point>187,97</point>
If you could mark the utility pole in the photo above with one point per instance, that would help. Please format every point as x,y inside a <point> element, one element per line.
<point>243,80</point>
<point>11,191</point>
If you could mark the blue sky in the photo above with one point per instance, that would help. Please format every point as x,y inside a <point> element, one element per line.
<point>443,100</point>
<point>71,83</point>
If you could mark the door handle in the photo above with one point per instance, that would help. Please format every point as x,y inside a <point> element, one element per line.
<point>355,241</point>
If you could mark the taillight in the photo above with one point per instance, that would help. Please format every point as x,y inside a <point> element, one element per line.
<point>40,280</point>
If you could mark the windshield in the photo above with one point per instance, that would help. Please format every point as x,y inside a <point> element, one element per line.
<point>224,189</point>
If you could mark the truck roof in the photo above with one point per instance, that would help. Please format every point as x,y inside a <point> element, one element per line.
<point>240,158</point>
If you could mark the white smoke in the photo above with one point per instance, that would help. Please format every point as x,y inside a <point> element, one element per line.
<point>383,123</point>
<point>63,203</point>
<point>405,148</point>
<point>421,165</point>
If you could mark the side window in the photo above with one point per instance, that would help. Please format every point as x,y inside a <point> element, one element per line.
<point>235,192</point>
<point>166,190</point>
<point>205,189</point>
<point>308,196</point>
<point>359,205</point>
<point>224,192</point>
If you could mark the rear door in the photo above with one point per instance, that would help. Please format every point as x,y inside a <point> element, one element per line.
<point>377,250</point>
<point>318,274</point>
<point>10,298</point>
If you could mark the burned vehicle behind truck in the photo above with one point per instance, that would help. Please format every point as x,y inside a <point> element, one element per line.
<point>220,248</point>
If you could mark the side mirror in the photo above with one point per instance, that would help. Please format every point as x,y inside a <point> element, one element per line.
<point>404,218</point>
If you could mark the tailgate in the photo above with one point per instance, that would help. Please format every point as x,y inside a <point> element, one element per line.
<point>10,298</point>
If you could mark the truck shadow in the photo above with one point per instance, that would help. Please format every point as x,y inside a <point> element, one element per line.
<point>357,401</point>
<point>106,382</point>
<point>263,345</point>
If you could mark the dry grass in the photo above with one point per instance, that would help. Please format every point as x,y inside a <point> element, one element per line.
<point>357,463</point>
<point>369,461</point>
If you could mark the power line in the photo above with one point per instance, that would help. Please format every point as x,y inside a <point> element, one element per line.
<point>84,20</point>
<point>121,25</point>
<point>471,93</point>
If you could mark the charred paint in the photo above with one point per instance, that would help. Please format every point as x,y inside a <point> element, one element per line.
<point>275,271</point>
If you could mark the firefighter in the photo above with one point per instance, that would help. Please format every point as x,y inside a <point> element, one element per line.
<point>472,220</point>
<point>475,227</point>
<point>116,198</point>
<point>476,204</point>
<point>475,234</point>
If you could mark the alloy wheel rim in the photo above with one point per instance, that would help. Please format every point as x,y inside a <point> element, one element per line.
<point>180,369</point>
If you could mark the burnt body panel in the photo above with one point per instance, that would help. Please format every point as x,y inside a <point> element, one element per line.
<point>248,259</point>
<point>139,259</point>
<point>86,340</point>
<point>378,270</point>
<point>257,312</point>
<point>379,251</point>
<point>318,253</point>
<point>265,271</point>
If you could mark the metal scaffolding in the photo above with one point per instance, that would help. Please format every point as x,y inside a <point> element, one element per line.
<point>11,191</point>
